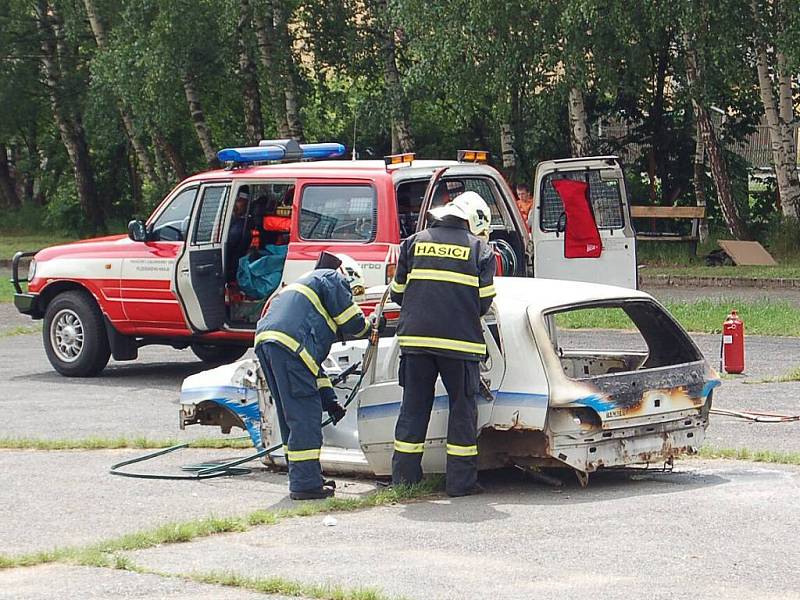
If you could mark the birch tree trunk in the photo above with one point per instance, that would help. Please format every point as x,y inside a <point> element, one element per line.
<point>578,125</point>
<point>386,33</point>
<point>507,146</point>
<point>700,179</point>
<point>199,120</point>
<point>172,155</point>
<point>716,158</point>
<point>125,113</point>
<point>8,187</point>
<point>785,167</point>
<point>786,107</point>
<point>251,97</point>
<point>68,122</point>
<point>288,70</point>
<point>265,35</point>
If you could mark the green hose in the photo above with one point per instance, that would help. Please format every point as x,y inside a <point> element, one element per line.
<point>231,468</point>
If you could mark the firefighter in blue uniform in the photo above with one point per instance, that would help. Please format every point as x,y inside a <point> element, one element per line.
<point>444,283</point>
<point>293,337</point>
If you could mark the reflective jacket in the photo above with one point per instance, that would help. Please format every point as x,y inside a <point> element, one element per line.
<point>307,316</point>
<point>444,282</point>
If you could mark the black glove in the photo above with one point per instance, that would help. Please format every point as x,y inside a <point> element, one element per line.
<point>381,322</point>
<point>336,412</point>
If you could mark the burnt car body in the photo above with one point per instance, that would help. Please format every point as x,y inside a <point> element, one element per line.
<point>566,388</point>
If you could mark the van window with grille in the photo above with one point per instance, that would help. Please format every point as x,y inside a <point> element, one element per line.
<point>208,229</point>
<point>338,212</point>
<point>604,197</point>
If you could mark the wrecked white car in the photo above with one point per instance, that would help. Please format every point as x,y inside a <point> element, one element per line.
<point>565,390</point>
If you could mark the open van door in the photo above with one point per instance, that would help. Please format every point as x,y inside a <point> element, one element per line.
<point>581,226</point>
<point>199,271</point>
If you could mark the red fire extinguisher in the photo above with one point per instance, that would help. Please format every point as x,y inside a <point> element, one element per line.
<point>733,344</point>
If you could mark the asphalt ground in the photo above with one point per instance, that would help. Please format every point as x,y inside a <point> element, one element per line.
<point>716,529</point>
<point>55,499</point>
<point>732,295</point>
<point>59,582</point>
<point>132,399</point>
<point>510,542</point>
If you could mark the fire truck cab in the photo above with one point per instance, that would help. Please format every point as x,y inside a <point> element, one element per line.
<point>198,272</point>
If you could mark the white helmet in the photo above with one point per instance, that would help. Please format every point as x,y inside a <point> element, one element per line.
<point>470,207</point>
<point>352,272</point>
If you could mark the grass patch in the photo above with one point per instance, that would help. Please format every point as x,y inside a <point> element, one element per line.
<point>285,587</point>
<point>7,290</point>
<point>99,443</point>
<point>11,243</point>
<point>793,375</point>
<point>765,456</point>
<point>22,330</point>
<point>763,317</point>
<point>102,554</point>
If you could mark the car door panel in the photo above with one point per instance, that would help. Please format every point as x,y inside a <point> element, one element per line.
<point>199,279</point>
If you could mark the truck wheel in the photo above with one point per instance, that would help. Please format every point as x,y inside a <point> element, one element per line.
<point>218,355</point>
<point>74,335</point>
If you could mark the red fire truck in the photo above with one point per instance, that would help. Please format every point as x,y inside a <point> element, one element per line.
<point>177,278</point>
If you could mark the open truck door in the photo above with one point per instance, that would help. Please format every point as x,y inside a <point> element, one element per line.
<point>581,226</point>
<point>200,272</point>
<point>507,231</point>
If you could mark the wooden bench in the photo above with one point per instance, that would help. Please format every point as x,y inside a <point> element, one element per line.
<point>696,213</point>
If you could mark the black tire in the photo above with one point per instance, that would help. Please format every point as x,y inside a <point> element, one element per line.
<point>213,354</point>
<point>74,335</point>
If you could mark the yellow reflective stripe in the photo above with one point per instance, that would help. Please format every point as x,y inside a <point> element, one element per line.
<point>278,336</point>
<point>301,455</point>
<point>442,343</point>
<point>487,291</point>
<point>347,314</point>
<point>292,344</point>
<point>408,447</point>
<point>455,450</point>
<point>323,382</point>
<point>314,299</point>
<point>363,331</point>
<point>309,360</point>
<point>441,275</point>
<point>398,288</point>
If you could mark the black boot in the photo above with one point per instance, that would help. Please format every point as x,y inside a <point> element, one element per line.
<point>317,494</point>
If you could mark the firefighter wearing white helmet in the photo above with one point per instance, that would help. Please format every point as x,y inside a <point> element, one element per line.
<point>293,337</point>
<point>444,283</point>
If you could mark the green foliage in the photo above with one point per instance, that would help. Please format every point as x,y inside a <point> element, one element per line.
<point>783,237</point>
<point>465,69</point>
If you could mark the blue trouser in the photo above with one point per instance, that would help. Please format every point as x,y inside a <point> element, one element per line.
<point>461,378</point>
<point>299,409</point>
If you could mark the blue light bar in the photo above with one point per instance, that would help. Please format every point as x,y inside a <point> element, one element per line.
<point>329,150</point>
<point>273,151</point>
<point>251,154</point>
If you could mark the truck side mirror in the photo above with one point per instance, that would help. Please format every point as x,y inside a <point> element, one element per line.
<point>137,231</point>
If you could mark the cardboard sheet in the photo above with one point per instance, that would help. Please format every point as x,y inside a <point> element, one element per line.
<point>747,253</point>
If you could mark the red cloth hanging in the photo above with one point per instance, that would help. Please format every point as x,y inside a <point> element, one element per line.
<point>581,238</point>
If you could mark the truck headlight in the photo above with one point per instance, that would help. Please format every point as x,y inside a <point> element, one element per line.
<point>32,269</point>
